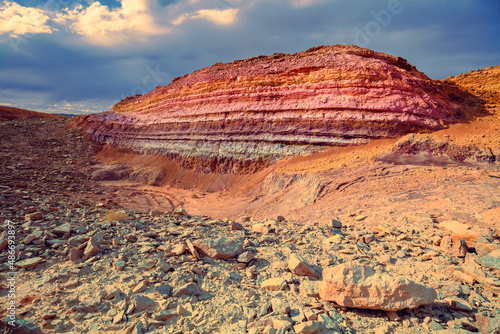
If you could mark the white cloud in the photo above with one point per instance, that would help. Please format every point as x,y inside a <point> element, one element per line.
<point>17,20</point>
<point>220,17</point>
<point>135,20</point>
<point>216,16</point>
<point>108,27</point>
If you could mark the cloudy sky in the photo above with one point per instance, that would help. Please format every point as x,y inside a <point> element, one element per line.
<point>77,56</point>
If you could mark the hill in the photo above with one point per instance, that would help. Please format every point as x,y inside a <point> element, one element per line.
<point>243,116</point>
<point>10,113</point>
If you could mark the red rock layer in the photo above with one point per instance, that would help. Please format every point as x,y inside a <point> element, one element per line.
<point>241,116</point>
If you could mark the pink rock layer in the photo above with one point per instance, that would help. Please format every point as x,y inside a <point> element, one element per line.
<point>242,116</point>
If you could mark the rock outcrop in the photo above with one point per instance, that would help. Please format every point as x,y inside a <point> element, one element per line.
<point>242,116</point>
<point>427,150</point>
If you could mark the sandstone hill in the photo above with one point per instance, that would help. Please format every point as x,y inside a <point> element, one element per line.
<point>10,113</point>
<point>242,116</point>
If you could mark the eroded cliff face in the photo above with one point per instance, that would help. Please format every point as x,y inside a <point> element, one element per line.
<point>242,116</point>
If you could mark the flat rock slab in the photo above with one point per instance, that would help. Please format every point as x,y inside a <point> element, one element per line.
<point>92,249</point>
<point>309,327</point>
<point>359,286</point>
<point>454,226</point>
<point>299,266</point>
<point>191,248</point>
<point>491,260</point>
<point>22,327</point>
<point>27,263</point>
<point>142,303</point>
<point>34,216</point>
<point>309,288</point>
<point>62,229</point>
<point>273,284</point>
<point>476,272</point>
<point>164,315</point>
<point>220,248</point>
<point>246,257</point>
<point>163,289</point>
<point>189,289</point>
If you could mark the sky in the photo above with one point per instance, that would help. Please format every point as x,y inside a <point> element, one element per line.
<point>82,56</point>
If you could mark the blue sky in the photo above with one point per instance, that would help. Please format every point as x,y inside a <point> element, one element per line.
<point>78,56</point>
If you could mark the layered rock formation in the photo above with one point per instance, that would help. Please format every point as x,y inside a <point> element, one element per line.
<point>241,116</point>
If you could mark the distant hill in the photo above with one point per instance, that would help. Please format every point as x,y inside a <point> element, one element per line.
<point>9,114</point>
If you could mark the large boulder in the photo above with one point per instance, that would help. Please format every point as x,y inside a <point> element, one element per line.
<point>220,248</point>
<point>359,286</point>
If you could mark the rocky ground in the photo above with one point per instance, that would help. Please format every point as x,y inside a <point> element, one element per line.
<point>85,264</point>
